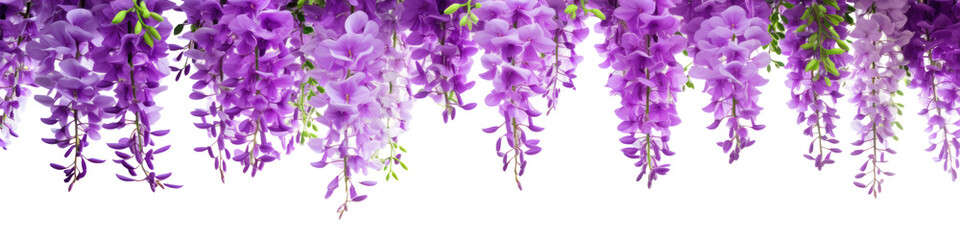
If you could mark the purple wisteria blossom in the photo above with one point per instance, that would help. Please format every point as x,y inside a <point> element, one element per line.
<point>816,69</point>
<point>877,73</point>
<point>640,46</point>
<point>514,36</point>
<point>245,68</point>
<point>74,95</point>
<point>364,100</point>
<point>133,59</point>
<point>442,51</point>
<point>16,69</point>
<point>932,59</point>
<point>726,52</point>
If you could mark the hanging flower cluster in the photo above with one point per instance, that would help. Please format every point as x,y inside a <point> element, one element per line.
<point>876,79</point>
<point>15,67</point>
<point>528,51</point>
<point>83,53</point>
<point>931,54</point>
<point>245,68</point>
<point>341,76</point>
<point>814,28</point>
<point>442,50</point>
<point>726,52</point>
<point>365,102</point>
<point>640,46</point>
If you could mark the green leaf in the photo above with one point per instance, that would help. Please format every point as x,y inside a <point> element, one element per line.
<point>149,40</point>
<point>685,52</point>
<point>138,28</point>
<point>119,17</point>
<point>833,3</point>
<point>831,67</point>
<point>570,9</point>
<point>178,29</point>
<point>801,28</point>
<point>401,148</point>
<point>899,92</point>
<point>156,16</point>
<point>307,29</point>
<point>828,81</point>
<point>898,125</point>
<point>464,20</point>
<point>787,4</point>
<point>843,45</point>
<point>453,8</point>
<point>806,14</point>
<point>404,166</point>
<point>599,14</point>
<point>834,34</point>
<point>895,138</point>
<point>807,46</point>
<point>153,32</point>
<point>394,176</point>
<point>835,51</point>
<point>812,65</point>
<point>690,84</point>
<point>834,19</point>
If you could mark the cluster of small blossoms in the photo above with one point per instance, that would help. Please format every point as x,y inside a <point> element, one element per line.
<point>570,31</point>
<point>78,40</point>
<point>639,46</point>
<point>16,74</point>
<point>726,53</point>
<point>133,59</point>
<point>441,49</point>
<point>246,70</point>
<point>931,56</point>
<point>813,29</point>
<point>365,103</point>
<point>514,35</point>
<point>876,75</point>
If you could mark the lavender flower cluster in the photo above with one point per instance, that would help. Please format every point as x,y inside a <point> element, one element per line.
<point>246,70</point>
<point>16,30</point>
<point>88,48</point>
<point>816,52</point>
<point>931,56</point>
<point>442,50</point>
<point>365,101</point>
<point>876,79</point>
<point>726,50</point>
<point>640,46</point>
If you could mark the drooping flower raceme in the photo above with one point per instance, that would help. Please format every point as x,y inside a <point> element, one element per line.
<point>133,59</point>
<point>514,34</point>
<point>74,94</point>
<point>364,102</point>
<point>727,55</point>
<point>815,65</point>
<point>442,51</point>
<point>16,69</point>
<point>640,46</point>
<point>243,65</point>
<point>932,58</point>
<point>876,79</point>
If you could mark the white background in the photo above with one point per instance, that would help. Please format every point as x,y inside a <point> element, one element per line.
<point>580,186</point>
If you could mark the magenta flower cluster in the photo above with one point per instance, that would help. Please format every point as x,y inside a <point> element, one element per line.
<point>15,67</point>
